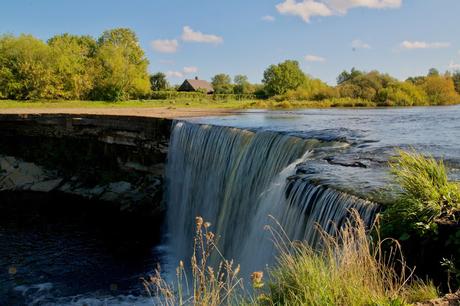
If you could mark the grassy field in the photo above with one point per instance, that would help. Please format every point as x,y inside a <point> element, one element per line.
<point>124,104</point>
<point>186,103</point>
<point>201,103</point>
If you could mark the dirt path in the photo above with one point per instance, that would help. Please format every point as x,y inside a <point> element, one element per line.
<point>162,112</point>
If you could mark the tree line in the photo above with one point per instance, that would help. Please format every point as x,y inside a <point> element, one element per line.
<point>73,67</point>
<point>114,67</point>
<point>287,82</point>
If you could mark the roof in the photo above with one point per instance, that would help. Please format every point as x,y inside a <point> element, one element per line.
<point>200,84</point>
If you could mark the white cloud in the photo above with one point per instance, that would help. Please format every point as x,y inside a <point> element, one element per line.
<point>190,35</point>
<point>454,66</point>
<point>190,69</point>
<point>310,8</point>
<point>314,58</point>
<point>268,18</point>
<point>305,9</point>
<point>411,45</point>
<point>174,74</point>
<point>359,44</point>
<point>342,6</point>
<point>183,73</point>
<point>165,45</point>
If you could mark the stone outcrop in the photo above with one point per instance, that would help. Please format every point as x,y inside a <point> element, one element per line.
<point>120,160</point>
<point>452,299</point>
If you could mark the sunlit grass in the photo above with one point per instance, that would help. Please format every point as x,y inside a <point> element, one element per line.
<point>5,104</point>
<point>192,103</point>
<point>426,196</point>
<point>349,270</point>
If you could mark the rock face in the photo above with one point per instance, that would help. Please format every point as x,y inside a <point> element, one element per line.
<point>120,160</point>
<point>452,299</point>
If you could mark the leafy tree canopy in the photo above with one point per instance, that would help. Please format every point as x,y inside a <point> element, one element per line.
<point>278,79</point>
<point>159,82</point>
<point>222,84</point>
<point>242,85</point>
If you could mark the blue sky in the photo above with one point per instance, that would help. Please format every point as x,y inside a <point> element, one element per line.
<point>204,37</point>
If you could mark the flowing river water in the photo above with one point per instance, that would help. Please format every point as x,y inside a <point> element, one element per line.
<point>303,167</point>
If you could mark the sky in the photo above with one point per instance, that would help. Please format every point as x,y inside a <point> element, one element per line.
<point>188,38</point>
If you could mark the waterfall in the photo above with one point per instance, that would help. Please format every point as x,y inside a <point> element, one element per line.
<point>235,179</point>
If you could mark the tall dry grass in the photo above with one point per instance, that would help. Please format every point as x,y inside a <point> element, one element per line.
<point>202,284</point>
<point>350,269</point>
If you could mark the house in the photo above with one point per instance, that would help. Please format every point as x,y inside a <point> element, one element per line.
<point>196,85</point>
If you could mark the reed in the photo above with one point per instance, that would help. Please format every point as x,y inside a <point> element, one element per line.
<point>206,285</point>
<point>350,269</point>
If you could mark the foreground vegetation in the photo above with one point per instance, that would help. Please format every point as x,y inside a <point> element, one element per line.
<point>114,68</point>
<point>353,267</point>
<point>349,270</point>
<point>425,217</point>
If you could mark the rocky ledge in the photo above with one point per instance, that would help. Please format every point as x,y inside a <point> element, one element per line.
<point>119,160</point>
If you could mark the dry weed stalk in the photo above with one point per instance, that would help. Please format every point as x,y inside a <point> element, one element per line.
<point>209,285</point>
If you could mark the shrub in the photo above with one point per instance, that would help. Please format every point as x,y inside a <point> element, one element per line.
<point>426,196</point>
<point>171,94</point>
<point>351,102</point>
<point>402,94</point>
<point>425,217</point>
<point>440,90</point>
<point>348,271</point>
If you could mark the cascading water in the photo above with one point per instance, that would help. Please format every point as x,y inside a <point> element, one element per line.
<point>236,178</point>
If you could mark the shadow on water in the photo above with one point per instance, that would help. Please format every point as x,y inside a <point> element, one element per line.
<point>55,245</point>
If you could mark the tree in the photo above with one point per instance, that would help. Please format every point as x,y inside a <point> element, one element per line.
<point>357,84</point>
<point>346,76</point>
<point>26,69</point>
<point>242,85</point>
<point>73,58</point>
<point>158,81</point>
<point>417,80</point>
<point>433,72</point>
<point>122,67</point>
<point>440,90</point>
<point>456,79</point>
<point>222,84</point>
<point>402,94</point>
<point>278,79</point>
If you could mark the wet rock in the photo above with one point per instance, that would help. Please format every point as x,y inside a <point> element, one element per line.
<point>18,175</point>
<point>347,162</point>
<point>46,186</point>
<point>452,299</point>
<point>113,159</point>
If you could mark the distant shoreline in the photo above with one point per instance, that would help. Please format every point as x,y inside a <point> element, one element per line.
<point>174,108</point>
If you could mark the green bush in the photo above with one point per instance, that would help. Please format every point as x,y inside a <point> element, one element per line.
<point>425,217</point>
<point>425,198</point>
<point>172,94</point>
<point>402,94</point>
<point>348,271</point>
<point>440,90</point>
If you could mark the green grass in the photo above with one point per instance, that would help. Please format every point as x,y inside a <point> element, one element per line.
<point>425,196</point>
<point>348,271</point>
<point>206,102</point>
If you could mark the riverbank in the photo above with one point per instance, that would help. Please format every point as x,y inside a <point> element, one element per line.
<point>173,108</point>
<point>154,112</point>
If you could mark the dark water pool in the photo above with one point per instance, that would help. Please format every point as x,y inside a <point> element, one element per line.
<point>57,249</point>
